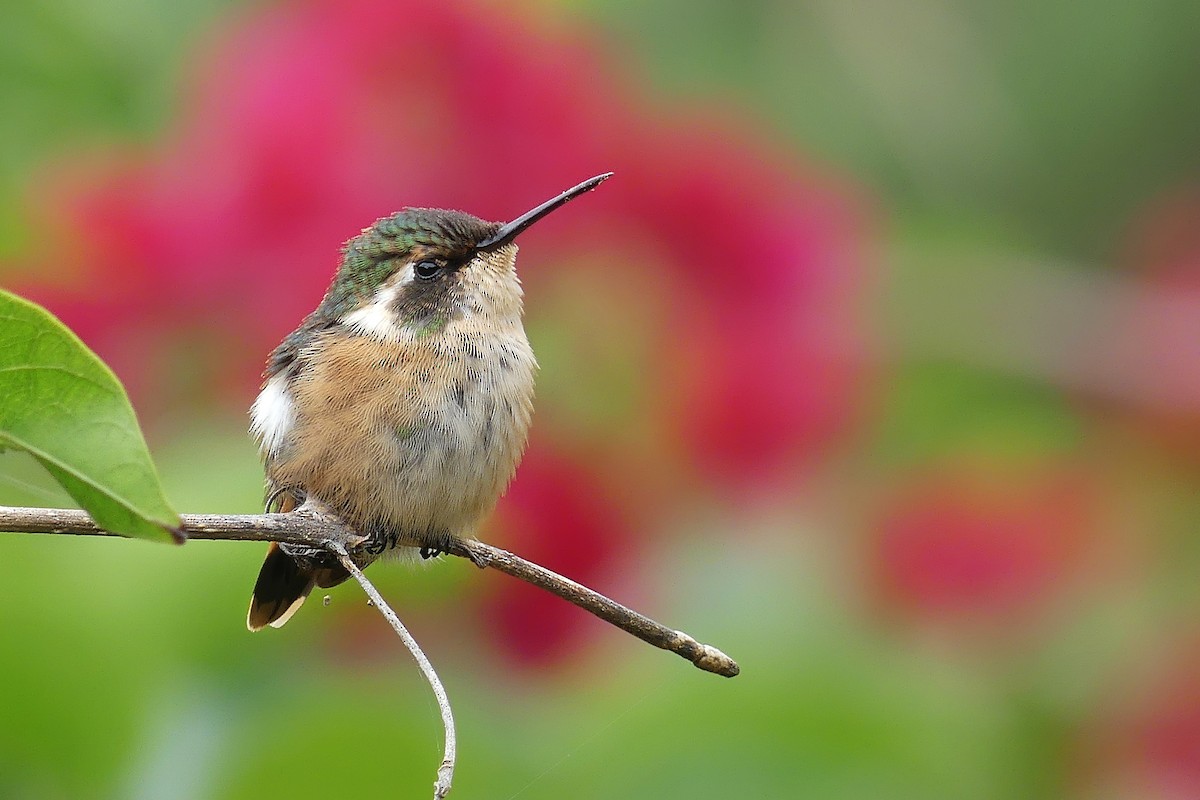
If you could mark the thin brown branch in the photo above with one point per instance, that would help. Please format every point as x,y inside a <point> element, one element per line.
<point>441,786</point>
<point>314,529</point>
<point>304,526</point>
<point>704,656</point>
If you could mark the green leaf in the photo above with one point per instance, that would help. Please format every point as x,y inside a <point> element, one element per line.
<point>65,407</point>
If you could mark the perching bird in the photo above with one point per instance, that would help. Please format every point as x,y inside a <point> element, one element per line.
<point>403,402</point>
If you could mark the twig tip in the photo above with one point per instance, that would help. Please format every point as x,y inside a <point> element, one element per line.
<point>710,659</point>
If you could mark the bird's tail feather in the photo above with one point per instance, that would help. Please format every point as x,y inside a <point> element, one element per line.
<point>282,586</point>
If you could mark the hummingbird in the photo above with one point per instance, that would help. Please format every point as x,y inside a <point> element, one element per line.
<point>403,402</point>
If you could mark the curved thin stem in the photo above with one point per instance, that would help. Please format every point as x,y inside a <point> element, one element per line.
<point>441,787</point>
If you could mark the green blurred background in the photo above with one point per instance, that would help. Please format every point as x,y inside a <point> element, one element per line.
<point>935,479</point>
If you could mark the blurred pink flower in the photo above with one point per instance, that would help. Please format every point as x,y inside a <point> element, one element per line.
<point>1161,331</point>
<point>1147,744</point>
<point>309,120</point>
<point>966,544</point>
<point>555,516</point>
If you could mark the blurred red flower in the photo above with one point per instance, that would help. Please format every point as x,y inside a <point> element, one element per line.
<point>977,545</point>
<point>556,516</point>
<point>1159,337</point>
<point>309,120</point>
<point>1147,745</point>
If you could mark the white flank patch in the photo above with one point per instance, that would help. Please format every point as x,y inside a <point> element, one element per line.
<point>377,318</point>
<point>271,416</point>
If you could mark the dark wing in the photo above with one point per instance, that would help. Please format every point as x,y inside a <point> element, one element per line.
<point>286,356</point>
<point>287,359</point>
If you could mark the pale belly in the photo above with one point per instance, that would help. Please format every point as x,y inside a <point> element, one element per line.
<point>449,468</point>
<point>416,447</point>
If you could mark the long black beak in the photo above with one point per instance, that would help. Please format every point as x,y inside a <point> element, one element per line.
<point>510,230</point>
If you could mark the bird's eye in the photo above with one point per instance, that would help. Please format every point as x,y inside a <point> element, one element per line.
<point>427,270</point>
